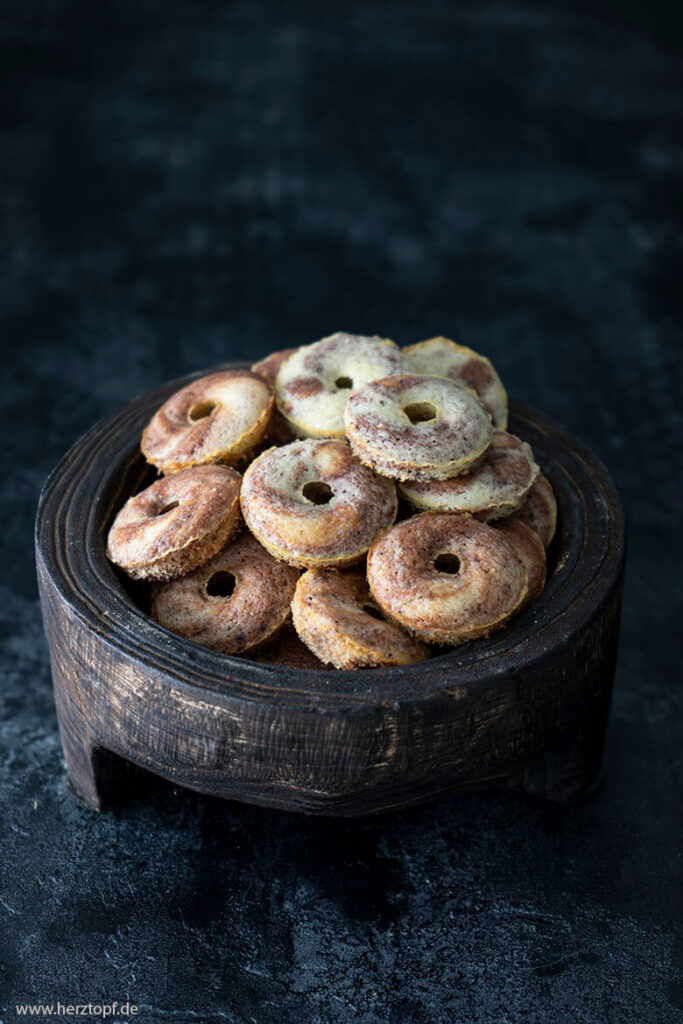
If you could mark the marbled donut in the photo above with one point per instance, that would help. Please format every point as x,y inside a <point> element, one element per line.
<point>234,602</point>
<point>312,503</point>
<point>530,550</point>
<point>218,418</point>
<point>417,428</point>
<point>495,487</point>
<point>336,616</point>
<point>441,357</point>
<point>538,511</point>
<point>177,523</point>
<point>446,578</point>
<point>270,364</point>
<point>279,430</point>
<point>288,651</point>
<point>312,386</point>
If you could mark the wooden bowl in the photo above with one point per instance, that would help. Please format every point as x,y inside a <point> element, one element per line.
<point>526,708</point>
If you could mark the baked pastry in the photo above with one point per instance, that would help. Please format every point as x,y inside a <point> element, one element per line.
<point>239,599</point>
<point>312,386</point>
<point>530,550</point>
<point>446,578</point>
<point>177,523</point>
<point>443,358</point>
<point>218,418</point>
<point>336,616</point>
<point>287,651</point>
<point>417,428</point>
<point>538,511</point>
<point>496,486</point>
<point>279,430</point>
<point>270,364</point>
<point>312,503</point>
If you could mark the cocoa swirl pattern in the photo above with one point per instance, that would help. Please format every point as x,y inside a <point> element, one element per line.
<point>287,650</point>
<point>494,488</point>
<point>233,603</point>
<point>446,578</point>
<point>177,523</point>
<point>218,418</point>
<point>279,431</point>
<point>312,386</point>
<point>538,511</point>
<point>441,357</point>
<point>417,428</point>
<point>336,616</point>
<point>312,503</point>
<point>530,550</point>
<point>268,366</point>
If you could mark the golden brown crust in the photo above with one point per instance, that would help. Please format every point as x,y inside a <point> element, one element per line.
<point>312,386</point>
<point>445,358</point>
<point>538,511</point>
<point>494,488</point>
<point>414,427</point>
<point>217,418</point>
<point>330,613</point>
<point>288,651</point>
<point>530,550</point>
<point>279,431</point>
<point>177,523</point>
<point>270,364</point>
<point>202,608</point>
<point>446,578</point>
<point>286,504</point>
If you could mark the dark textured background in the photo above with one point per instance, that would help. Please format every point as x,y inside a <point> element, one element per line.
<point>188,182</point>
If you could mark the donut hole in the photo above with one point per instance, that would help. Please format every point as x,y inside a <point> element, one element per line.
<point>221,584</point>
<point>317,492</point>
<point>167,508</point>
<point>447,563</point>
<point>420,412</point>
<point>201,410</point>
<point>343,383</point>
<point>370,609</point>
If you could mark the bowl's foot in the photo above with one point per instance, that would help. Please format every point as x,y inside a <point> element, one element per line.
<point>569,769</point>
<point>112,782</point>
<point>86,802</point>
<point>81,775</point>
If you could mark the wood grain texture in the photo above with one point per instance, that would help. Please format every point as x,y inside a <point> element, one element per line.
<point>526,708</point>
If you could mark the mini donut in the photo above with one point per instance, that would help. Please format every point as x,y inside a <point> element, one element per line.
<point>240,599</point>
<point>177,523</point>
<point>417,428</point>
<point>335,615</point>
<point>312,503</point>
<point>287,651</point>
<point>214,419</point>
<point>530,550</point>
<point>279,430</point>
<point>441,357</point>
<point>496,487</point>
<point>312,386</point>
<point>270,364</point>
<point>538,511</point>
<point>446,578</point>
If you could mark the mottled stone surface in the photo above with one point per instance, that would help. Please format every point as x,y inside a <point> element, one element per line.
<point>185,183</point>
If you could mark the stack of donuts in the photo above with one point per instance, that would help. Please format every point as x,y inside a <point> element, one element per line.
<point>348,503</point>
